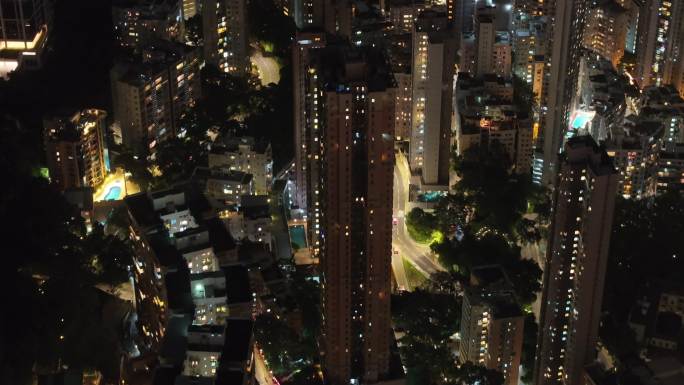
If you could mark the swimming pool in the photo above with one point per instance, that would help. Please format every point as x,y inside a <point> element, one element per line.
<point>113,194</point>
<point>582,119</point>
<point>297,236</point>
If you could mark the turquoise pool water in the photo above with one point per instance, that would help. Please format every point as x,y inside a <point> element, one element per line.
<point>432,196</point>
<point>113,194</point>
<point>297,235</point>
<point>580,121</point>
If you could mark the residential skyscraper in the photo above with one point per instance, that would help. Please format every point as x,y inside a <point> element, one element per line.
<point>306,119</point>
<point>151,95</point>
<point>356,92</point>
<point>660,43</point>
<point>434,53</point>
<point>24,28</point>
<point>583,204</point>
<point>332,16</point>
<point>225,35</point>
<point>75,148</point>
<point>485,34</point>
<point>606,30</point>
<point>566,20</point>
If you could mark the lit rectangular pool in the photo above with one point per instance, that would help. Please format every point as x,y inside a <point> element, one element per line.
<point>297,236</point>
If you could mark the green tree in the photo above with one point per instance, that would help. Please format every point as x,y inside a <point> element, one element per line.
<point>268,23</point>
<point>469,373</point>
<point>282,347</point>
<point>420,225</point>
<point>137,165</point>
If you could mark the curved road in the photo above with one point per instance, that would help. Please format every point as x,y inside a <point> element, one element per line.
<point>418,254</point>
<point>267,67</point>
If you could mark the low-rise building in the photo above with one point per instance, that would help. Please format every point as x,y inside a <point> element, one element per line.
<point>225,189</point>
<point>635,150</point>
<point>140,22</point>
<point>492,324</point>
<point>247,155</point>
<point>602,103</point>
<point>193,299</point>
<point>486,114</point>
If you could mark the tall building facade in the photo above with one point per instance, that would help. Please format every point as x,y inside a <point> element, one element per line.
<point>225,35</point>
<point>403,14</point>
<point>576,260</point>
<point>75,149</point>
<point>332,16</point>
<point>306,119</point>
<point>606,30</point>
<point>485,33</point>
<point>356,92</point>
<point>660,42</point>
<point>24,28</point>
<point>565,29</point>
<point>151,95</point>
<point>434,53</point>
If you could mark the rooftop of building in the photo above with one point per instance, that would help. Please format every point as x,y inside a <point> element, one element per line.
<point>230,377</point>
<point>165,375</point>
<point>175,343</point>
<point>583,149</point>
<point>178,290</point>
<point>664,97</point>
<point>502,37</point>
<point>155,58</point>
<point>144,4</point>
<point>599,376</point>
<point>255,206</point>
<point>238,347</point>
<point>140,208</point>
<point>232,144</point>
<point>611,7</point>
<point>406,3</point>
<point>205,348</point>
<point>204,173</point>
<point>340,66</point>
<point>634,134</point>
<point>208,329</point>
<point>220,238</point>
<point>279,186</point>
<point>237,284</point>
<point>164,249</point>
<point>80,197</point>
<point>272,273</point>
<point>193,380</point>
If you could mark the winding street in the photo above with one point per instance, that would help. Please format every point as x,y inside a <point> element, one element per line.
<point>418,254</point>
